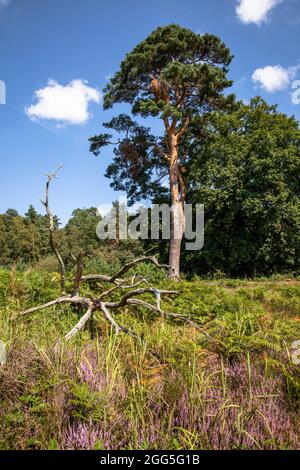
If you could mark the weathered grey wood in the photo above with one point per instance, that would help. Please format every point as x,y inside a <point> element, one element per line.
<point>81,324</point>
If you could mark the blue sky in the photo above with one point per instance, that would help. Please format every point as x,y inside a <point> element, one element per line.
<point>85,40</point>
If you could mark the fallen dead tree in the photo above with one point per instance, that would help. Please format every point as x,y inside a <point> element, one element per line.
<point>133,287</point>
<point>104,304</point>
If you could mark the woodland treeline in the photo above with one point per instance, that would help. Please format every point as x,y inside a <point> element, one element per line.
<point>245,170</point>
<point>24,239</point>
<point>240,160</point>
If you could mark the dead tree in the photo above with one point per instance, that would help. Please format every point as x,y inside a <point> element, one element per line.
<point>104,302</point>
<point>132,288</point>
<point>52,229</point>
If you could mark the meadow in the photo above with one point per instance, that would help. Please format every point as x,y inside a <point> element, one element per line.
<point>231,384</point>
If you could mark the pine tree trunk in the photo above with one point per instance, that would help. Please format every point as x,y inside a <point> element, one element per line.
<point>177,214</point>
<point>174,256</point>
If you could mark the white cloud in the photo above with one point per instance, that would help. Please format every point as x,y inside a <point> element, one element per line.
<point>65,104</point>
<point>4,3</point>
<point>274,78</point>
<point>255,11</point>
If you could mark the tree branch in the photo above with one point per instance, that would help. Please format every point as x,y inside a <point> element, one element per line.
<point>121,285</point>
<point>142,303</point>
<point>122,302</point>
<point>143,259</point>
<point>183,128</point>
<point>115,325</point>
<point>52,229</point>
<point>81,324</point>
<point>116,277</point>
<point>59,300</point>
<point>161,152</point>
<point>96,277</point>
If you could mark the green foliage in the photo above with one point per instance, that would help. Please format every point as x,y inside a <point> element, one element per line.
<point>174,75</point>
<point>86,404</point>
<point>24,243</point>
<point>179,58</point>
<point>136,159</point>
<point>245,171</point>
<point>79,234</point>
<point>240,161</point>
<point>116,384</point>
<point>23,239</point>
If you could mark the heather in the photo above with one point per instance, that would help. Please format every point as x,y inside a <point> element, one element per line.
<point>230,385</point>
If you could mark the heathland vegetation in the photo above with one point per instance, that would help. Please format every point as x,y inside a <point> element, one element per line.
<point>231,384</point>
<point>107,347</point>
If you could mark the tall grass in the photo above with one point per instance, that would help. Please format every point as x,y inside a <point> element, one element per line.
<point>232,386</point>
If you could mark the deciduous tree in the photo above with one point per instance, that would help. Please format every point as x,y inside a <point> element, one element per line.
<point>246,170</point>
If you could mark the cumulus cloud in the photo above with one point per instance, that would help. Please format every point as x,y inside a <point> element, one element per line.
<point>67,104</point>
<point>274,78</point>
<point>255,11</point>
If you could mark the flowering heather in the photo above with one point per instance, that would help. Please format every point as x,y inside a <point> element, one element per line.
<point>83,436</point>
<point>234,406</point>
<point>90,373</point>
<point>174,388</point>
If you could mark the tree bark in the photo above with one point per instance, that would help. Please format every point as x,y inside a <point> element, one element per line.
<point>105,303</point>
<point>177,219</point>
<point>174,257</point>
<point>52,230</point>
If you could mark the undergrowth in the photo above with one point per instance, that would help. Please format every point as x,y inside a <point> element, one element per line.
<point>231,385</point>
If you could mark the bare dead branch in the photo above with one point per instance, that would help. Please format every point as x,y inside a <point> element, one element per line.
<point>109,291</point>
<point>131,264</point>
<point>120,285</point>
<point>111,320</point>
<point>96,277</point>
<point>122,302</point>
<point>116,277</point>
<point>59,300</point>
<point>81,324</point>
<point>130,286</point>
<point>123,287</point>
<point>52,229</point>
<point>142,303</point>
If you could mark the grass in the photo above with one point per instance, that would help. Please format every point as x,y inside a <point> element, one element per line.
<point>230,386</point>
